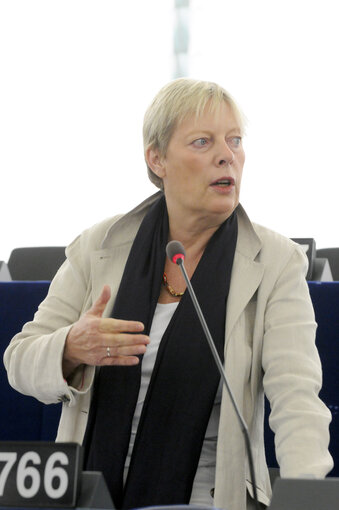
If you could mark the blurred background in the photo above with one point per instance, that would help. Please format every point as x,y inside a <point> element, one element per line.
<point>77,75</point>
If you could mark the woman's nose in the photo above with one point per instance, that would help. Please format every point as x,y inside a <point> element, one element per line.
<point>225,155</point>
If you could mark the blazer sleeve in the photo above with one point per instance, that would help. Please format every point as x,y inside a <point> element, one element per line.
<point>33,359</point>
<point>293,375</point>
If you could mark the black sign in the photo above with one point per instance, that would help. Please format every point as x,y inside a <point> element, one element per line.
<point>39,474</point>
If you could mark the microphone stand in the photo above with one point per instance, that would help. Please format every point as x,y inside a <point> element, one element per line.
<point>243,425</point>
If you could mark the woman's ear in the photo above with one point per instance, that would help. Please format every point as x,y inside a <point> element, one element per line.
<point>155,162</point>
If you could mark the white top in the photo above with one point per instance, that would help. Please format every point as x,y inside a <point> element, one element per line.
<point>205,475</point>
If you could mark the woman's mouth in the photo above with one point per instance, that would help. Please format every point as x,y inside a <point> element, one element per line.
<point>224,182</point>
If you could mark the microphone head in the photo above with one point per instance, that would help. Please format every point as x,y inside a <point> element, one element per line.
<point>175,252</point>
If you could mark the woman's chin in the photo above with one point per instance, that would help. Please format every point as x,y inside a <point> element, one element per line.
<point>224,205</point>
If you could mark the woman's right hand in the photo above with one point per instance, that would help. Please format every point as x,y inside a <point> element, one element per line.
<point>94,340</point>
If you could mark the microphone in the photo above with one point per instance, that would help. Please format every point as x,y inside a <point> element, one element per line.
<point>176,253</point>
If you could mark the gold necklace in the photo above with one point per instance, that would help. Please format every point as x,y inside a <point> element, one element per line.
<point>169,288</point>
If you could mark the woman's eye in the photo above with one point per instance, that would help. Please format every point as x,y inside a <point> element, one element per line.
<point>200,142</point>
<point>234,142</point>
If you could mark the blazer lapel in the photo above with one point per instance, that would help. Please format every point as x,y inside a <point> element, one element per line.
<point>247,273</point>
<point>108,264</point>
<point>107,269</point>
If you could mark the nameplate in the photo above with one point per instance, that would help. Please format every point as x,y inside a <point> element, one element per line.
<point>39,474</point>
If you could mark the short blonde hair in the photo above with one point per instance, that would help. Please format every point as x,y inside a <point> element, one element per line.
<point>176,101</point>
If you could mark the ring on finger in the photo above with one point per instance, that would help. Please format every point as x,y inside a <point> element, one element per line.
<point>108,351</point>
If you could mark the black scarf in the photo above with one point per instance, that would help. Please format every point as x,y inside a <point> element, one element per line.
<point>184,380</point>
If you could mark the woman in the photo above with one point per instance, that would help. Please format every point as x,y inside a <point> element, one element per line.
<point>163,431</point>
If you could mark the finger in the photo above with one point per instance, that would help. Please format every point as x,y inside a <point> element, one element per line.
<point>99,305</point>
<point>110,325</point>
<point>124,350</point>
<point>122,339</point>
<point>120,360</point>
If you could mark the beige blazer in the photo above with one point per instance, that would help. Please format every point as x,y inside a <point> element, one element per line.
<point>269,346</point>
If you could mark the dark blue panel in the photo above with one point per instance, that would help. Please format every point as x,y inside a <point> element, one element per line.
<point>21,417</point>
<point>325,298</point>
<point>24,418</point>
